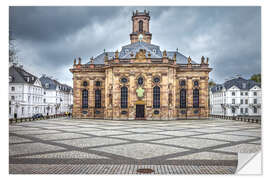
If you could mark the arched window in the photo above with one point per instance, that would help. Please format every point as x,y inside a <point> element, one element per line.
<point>124,97</point>
<point>98,98</point>
<point>140,26</point>
<point>84,98</point>
<point>156,97</point>
<point>183,98</point>
<point>196,98</point>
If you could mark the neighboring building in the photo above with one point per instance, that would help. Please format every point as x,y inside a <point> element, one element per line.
<point>28,95</point>
<point>57,97</point>
<point>140,81</point>
<point>237,96</point>
<point>25,93</point>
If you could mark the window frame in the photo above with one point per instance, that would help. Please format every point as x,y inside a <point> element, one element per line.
<point>156,97</point>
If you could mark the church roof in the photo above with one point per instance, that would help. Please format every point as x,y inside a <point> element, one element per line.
<point>134,48</point>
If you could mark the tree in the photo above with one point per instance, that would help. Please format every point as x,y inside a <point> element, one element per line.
<point>256,78</point>
<point>12,48</point>
<point>211,83</point>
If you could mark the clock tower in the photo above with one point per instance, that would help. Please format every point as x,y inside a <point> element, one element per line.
<point>140,27</point>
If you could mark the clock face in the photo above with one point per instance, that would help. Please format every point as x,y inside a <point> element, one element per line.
<point>140,37</point>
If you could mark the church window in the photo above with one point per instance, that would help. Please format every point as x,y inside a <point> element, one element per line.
<point>183,83</point>
<point>98,83</point>
<point>85,83</point>
<point>84,98</point>
<point>156,80</point>
<point>124,80</point>
<point>140,81</point>
<point>124,97</point>
<point>196,98</point>
<point>196,83</point>
<point>140,26</point>
<point>183,98</point>
<point>98,98</point>
<point>156,97</point>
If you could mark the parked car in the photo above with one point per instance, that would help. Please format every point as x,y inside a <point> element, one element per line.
<point>35,116</point>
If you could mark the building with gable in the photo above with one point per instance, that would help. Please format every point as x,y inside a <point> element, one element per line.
<point>29,95</point>
<point>237,96</point>
<point>141,81</point>
<point>25,93</point>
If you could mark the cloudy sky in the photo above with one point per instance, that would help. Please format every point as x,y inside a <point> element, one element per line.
<point>49,38</point>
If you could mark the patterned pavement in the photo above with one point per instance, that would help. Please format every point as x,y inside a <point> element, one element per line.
<point>72,146</point>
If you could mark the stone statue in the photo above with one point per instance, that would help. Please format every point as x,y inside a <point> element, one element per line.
<point>74,63</point>
<point>207,60</point>
<point>79,60</point>
<point>202,60</point>
<point>164,53</point>
<point>116,54</point>
<point>189,60</point>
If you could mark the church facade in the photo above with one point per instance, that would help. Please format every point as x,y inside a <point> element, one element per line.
<point>141,81</point>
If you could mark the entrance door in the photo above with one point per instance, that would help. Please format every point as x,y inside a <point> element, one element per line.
<point>139,111</point>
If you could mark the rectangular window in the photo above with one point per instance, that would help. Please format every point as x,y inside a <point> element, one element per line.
<point>98,98</point>
<point>246,110</point>
<point>246,101</point>
<point>233,101</point>
<point>242,101</point>
<point>233,93</point>
<point>255,110</point>
<point>242,93</point>
<point>242,110</point>
<point>255,93</point>
<point>246,93</point>
<point>12,88</point>
<point>255,101</point>
<point>12,97</point>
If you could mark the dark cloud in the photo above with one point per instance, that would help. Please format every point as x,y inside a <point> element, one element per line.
<point>49,38</point>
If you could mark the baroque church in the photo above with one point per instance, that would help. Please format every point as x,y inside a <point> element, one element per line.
<point>141,81</point>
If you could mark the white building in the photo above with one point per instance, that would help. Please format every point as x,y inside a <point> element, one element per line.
<point>29,95</point>
<point>236,97</point>
<point>57,97</point>
<point>25,93</point>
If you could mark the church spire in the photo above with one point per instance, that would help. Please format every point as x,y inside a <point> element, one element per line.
<point>140,27</point>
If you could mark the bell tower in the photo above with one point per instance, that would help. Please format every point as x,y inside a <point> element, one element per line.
<point>140,27</point>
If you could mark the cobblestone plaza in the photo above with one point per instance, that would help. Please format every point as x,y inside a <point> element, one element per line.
<point>71,146</point>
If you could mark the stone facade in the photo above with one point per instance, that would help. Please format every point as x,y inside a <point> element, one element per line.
<point>140,60</point>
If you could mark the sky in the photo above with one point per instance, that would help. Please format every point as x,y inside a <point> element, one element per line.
<point>49,38</point>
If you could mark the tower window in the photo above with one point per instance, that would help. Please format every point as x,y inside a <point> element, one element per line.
<point>98,98</point>
<point>84,98</point>
<point>124,97</point>
<point>156,97</point>
<point>183,98</point>
<point>140,26</point>
<point>196,98</point>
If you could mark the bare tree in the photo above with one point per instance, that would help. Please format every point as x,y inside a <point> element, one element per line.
<point>12,49</point>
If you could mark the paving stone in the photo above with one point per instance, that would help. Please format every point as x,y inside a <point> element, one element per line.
<point>191,142</point>
<point>31,148</point>
<point>206,156</point>
<point>90,142</point>
<point>242,148</point>
<point>67,155</point>
<point>140,150</point>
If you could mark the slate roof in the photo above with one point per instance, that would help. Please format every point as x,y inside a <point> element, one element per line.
<point>133,48</point>
<point>51,84</point>
<point>19,75</point>
<point>239,82</point>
